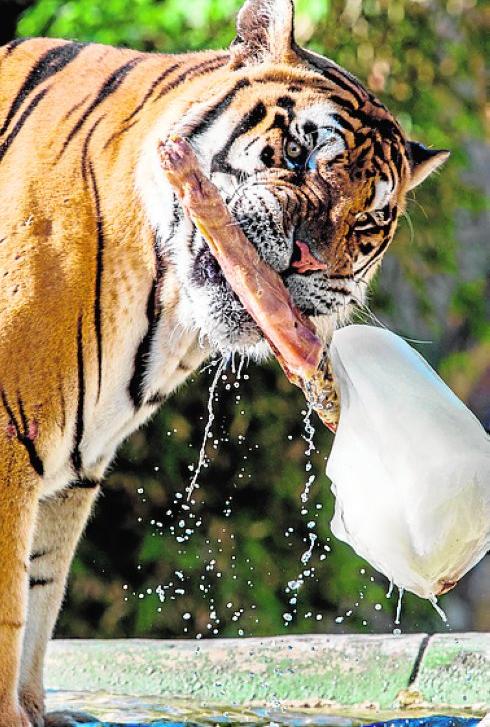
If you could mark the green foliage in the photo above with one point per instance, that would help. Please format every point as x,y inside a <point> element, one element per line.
<point>426,62</point>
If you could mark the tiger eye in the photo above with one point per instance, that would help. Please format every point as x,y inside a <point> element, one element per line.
<point>293,149</point>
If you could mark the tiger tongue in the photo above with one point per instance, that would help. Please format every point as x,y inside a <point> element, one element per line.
<point>307,261</point>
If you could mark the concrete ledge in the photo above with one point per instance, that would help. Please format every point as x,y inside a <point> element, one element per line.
<point>409,671</point>
<point>455,670</point>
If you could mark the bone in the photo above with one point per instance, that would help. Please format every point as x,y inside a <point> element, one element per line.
<point>290,334</point>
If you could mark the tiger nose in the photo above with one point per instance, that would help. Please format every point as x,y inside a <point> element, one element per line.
<point>307,261</point>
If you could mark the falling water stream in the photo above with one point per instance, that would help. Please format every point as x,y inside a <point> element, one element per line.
<point>188,520</point>
<point>294,585</point>
<point>207,430</point>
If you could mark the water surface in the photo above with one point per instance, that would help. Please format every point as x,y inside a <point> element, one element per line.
<point>123,711</point>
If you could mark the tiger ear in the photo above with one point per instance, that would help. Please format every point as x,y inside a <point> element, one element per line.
<point>265,31</point>
<point>423,161</point>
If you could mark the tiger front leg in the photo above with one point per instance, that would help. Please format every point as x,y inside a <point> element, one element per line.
<point>19,486</point>
<point>60,522</point>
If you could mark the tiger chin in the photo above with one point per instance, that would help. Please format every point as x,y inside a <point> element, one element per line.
<point>109,296</point>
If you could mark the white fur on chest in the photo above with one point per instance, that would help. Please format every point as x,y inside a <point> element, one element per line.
<point>173,355</point>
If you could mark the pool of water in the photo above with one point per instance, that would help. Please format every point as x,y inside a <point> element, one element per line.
<point>121,711</point>
<point>436,721</point>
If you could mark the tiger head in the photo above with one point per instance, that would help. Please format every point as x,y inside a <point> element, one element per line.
<point>314,168</point>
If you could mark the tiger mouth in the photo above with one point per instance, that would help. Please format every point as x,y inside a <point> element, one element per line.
<point>302,262</point>
<point>207,271</point>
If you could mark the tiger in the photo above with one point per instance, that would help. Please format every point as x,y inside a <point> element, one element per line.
<point>110,297</point>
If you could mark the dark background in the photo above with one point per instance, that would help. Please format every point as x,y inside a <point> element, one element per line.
<point>426,60</point>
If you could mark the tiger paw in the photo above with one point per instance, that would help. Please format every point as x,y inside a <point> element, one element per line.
<point>32,701</point>
<point>68,719</point>
<point>322,395</point>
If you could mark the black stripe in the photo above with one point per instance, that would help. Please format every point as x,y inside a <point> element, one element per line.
<point>98,276</point>
<point>26,440</point>
<point>84,484</point>
<point>35,582</point>
<point>119,133</point>
<point>318,84</point>
<point>338,81</point>
<point>337,276</point>
<point>218,109</point>
<point>267,156</point>
<point>38,554</point>
<point>388,128</point>
<point>126,125</point>
<point>286,102</point>
<point>342,79</point>
<point>342,102</point>
<point>191,239</point>
<point>79,423</point>
<point>23,437</point>
<point>62,422</point>
<point>366,248</point>
<point>10,47</point>
<point>8,409</point>
<point>23,418</point>
<point>52,62</point>
<point>109,87</point>
<point>251,119</point>
<point>336,75</point>
<point>149,92</point>
<point>202,67</point>
<point>374,258</point>
<point>364,151</point>
<point>86,144</point>
<point>4,147</point>
<point>153,311</point>
<point>34,458</point>
<point>136,385</point>
<point>160,265</point>
<point>377,147</point>
<point>75,107</point>
<point>343,123</point>
<point>157,399</point>
<point>280,121</point>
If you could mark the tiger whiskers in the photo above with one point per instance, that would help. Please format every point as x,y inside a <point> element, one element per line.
<point>412,200</point>
<point>406,216</point>
<point>363,308</point>
<point>365,313</point>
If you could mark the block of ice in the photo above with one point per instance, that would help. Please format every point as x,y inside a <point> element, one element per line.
<point>410,465</point>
